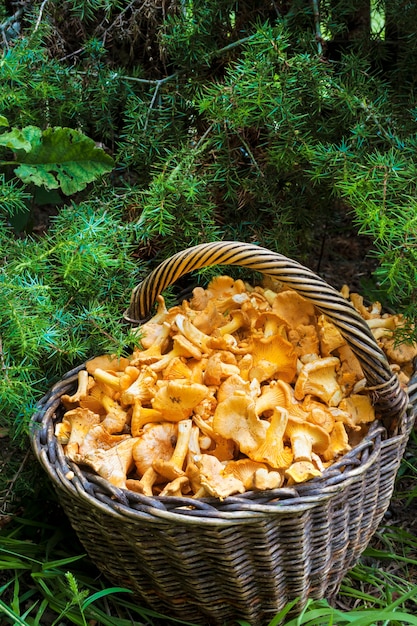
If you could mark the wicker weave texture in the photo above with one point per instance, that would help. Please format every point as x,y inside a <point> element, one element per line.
<point>210,562</point>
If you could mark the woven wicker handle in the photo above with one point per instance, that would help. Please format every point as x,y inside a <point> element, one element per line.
<point>384,386</point>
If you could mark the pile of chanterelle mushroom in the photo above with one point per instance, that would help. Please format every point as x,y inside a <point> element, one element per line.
<point>239,388</point>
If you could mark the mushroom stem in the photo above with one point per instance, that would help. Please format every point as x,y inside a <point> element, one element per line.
<point>234,324</point>
<point>302,446</point>
<point>174,467</point>
<point>154,353</point>
<point>82,389</point>
<point>192,333</point>
<point>305,438</point>
<point>182,348</point>
<point>107,402</point>
<point>142,416</point>
<point>145,484</point>
<point>181,448</point>
<point>107,378</point>
<point>272,451</point>
<point>176,487</point>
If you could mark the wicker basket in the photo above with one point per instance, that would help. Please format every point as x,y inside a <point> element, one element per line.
<point>212,562</point>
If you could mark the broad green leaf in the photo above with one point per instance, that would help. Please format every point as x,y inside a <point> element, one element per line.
<point>62,158</point>
<point>15,140</point>
<point>3,121</point>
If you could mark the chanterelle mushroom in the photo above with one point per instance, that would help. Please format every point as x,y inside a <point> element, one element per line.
<point>176,487</point>
<point>157,442</point>
<point>141,416</point>
<point>182,347</point>
<point>304,339</point>
<point>305,438</point>
<point>272,450</point>
<point>300,471</point>
<point>115,419</point>
<point>155,351</point>
<point>233,384</point>
<point>151,333</point>
<point>330,337</point>
<point>318,378</point>
<point>176,399</point>
<point>271,396</point>
<point>400,353</point>
<point>274,356</point>
<point>145,484</point>
<point>113,464</point>
<point>254,475</point>
<point>208,319</point>
<point>235,418</point>
<point>267,479</point>
<point>193,334</point>
<point>223,449</point>
<point>98,438</point>
<point>142,389</point>
<point>82,390</point>
<point>214,479</point>
<point>237,321</point>
<point>293,308</point>
<point>80,421</point>
<point>107,362</point>
<point>174,467</point>
<point>359,408</point>
<point>339,443</point>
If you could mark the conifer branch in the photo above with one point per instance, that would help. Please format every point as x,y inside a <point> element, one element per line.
<point>231,46</point>
<point>317,26</point>
<point>250,154</point>
<point>39,19</point>
<point>108,29</point>
<point>145,81</point>
<point>3,365</point>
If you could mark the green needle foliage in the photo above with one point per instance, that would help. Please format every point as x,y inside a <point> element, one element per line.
<point>62,300</point>
<point>237,122</point>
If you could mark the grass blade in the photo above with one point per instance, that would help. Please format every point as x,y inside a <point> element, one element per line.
<point>17,620</point>
<point>101,594</point>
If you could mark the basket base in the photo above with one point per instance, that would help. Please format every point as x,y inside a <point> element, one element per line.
<point>233,572</point>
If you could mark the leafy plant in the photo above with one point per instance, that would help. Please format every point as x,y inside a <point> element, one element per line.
<point>55,158</point>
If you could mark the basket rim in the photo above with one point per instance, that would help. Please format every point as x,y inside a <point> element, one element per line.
<point>237,509</point>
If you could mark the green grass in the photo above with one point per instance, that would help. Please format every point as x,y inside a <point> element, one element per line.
<point>47,580</point>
